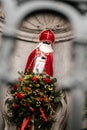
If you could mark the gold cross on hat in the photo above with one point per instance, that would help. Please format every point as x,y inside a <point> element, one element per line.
<point>48,34</point>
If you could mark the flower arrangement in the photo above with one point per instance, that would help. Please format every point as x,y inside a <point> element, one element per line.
<point>34,101</point>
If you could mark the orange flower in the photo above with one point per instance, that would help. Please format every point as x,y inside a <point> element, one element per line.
<point>43,114</point>
<point>39,99</point>
<point>27,88</point>
<point>45,99</point>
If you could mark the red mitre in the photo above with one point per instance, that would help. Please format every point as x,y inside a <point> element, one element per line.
<point>47,35</point>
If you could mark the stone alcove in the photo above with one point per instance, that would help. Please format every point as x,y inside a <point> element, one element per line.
<point>27,39</point>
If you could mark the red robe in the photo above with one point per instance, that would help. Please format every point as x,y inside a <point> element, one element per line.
<point>48,67</point>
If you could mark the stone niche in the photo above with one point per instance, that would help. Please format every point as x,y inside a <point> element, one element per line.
<point>27,38</point>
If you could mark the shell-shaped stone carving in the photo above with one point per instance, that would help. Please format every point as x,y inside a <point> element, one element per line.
<point>32,26</point>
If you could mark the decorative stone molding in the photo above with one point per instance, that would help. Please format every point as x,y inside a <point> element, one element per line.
<point>30,28</point>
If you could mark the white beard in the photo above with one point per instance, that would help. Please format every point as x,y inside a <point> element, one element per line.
<point>47,48</point>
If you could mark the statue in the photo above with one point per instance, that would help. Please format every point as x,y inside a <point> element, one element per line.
<point>41,58</point>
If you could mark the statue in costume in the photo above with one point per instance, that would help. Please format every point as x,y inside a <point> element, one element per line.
<point>41,58</point>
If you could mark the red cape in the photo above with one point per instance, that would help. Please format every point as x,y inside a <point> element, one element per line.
<point>48,65</point>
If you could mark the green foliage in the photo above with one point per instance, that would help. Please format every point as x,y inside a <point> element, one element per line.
<point>35,96</point>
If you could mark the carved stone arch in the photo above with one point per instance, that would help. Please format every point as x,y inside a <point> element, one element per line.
<point>19,12</point>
